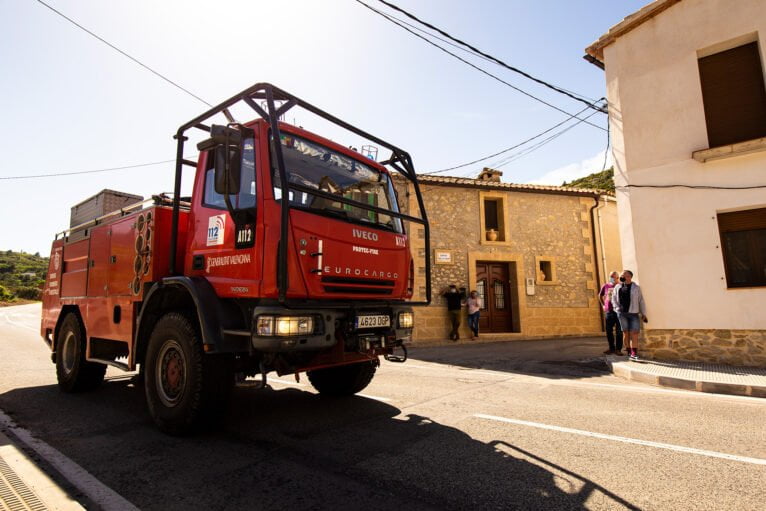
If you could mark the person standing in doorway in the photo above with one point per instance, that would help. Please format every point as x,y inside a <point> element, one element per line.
<point>473,304</point>
<point>628,301</point>
<point>612,324</point>
<point>454,309</point>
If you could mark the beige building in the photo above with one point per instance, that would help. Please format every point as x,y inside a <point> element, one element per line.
<point>687,104</point>
<point>535,254</point>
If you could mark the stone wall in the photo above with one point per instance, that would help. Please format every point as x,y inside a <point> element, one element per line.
<point>552,226</point>
<point>732,347</point>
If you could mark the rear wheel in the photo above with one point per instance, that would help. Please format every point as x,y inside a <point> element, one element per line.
<point>343,380</point>
<point>185,388</point>
<point>74,373</point>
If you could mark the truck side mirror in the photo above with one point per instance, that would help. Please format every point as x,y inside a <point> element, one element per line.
<point>228,169</point>
<point>225,141</point>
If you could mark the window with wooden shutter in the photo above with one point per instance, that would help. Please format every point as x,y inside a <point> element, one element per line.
<point>734,95</point>
<point>743,243</point>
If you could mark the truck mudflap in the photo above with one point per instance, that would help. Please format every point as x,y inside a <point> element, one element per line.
<point>375,329</point>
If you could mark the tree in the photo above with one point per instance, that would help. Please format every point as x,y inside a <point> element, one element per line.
<point>598,180</point>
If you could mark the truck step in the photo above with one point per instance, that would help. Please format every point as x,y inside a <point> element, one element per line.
<point>113,363</point>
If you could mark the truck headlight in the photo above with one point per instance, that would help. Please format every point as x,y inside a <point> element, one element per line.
<point>406,319</point>
<point>284,325</point>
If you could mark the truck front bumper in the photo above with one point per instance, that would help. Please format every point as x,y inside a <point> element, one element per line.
<point>281,330</point>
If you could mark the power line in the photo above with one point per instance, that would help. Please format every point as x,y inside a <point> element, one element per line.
<point>495,77</point>
<point>157,73</point>
<point>509,148</point>
<point>513,157</point>
<point>444,40</point>
<point>58,174</point>
<point>471,52</point>
<point>488,56</point>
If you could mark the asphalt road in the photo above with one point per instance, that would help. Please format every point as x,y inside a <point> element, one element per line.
<point>527,425</point>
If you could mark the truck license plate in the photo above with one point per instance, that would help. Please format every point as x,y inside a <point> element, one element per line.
<point>372,321</point>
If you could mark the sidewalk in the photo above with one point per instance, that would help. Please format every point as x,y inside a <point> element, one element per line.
<point>23,486</point>
<point>702,377</point>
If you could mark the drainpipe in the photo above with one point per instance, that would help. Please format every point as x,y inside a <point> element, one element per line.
<point>597,199</point>
<point>601,237</point>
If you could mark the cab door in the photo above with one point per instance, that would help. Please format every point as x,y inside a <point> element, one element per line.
<point>221,250</point>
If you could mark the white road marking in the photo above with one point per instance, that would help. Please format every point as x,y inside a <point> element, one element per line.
<point>659,445</point>
<point>103,496</point>
<point>641,389</point>
<point>7,316</point>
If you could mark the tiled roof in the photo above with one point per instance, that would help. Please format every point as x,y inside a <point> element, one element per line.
<point>465,182</point>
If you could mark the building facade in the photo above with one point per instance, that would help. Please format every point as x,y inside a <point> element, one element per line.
<point>687,110</point>
<point>534,253</point>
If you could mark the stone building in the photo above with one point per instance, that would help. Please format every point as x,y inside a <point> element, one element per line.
<point>535,254</point>
<point>687,111</point>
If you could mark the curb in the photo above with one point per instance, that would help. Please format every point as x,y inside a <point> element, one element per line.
<point>622,370</point>
<point>24,485</point>
<point>98,494</point>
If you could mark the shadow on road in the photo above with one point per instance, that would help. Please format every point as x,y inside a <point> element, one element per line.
<point>292,448</point>
<point>550,358</point>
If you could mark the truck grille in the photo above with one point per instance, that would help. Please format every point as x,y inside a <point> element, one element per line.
<point>352,285</point>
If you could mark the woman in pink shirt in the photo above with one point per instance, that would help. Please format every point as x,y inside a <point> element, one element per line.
<point>474,309</point>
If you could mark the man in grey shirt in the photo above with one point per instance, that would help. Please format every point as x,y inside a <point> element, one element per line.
<point>628,302</point>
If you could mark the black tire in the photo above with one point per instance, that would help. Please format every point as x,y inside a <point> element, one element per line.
<point>342,380</point>
<point>185,389</point>
<point>74,373</point>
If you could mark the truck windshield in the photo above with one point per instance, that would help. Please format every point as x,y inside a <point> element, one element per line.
<point>315,166</point>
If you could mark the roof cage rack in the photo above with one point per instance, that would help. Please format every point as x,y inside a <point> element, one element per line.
<point>254,97</point>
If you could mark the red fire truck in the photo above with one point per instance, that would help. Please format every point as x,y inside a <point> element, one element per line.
<point>289,256</point>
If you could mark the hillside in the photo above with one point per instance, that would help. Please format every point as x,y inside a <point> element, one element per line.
<point>21,275</point>
<point>599,180</point>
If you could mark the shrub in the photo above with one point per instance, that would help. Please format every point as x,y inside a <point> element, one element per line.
<point>5,295</point>
<point>28,293</point>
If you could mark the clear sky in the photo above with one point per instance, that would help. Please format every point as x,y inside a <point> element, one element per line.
<point>70,103</point>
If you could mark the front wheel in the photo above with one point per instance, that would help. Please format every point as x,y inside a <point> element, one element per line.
<point>184,387</point>
<point>73,372</point>
<point>343,380</point>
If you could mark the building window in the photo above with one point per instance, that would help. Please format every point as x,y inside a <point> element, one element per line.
<point>733,95</point>
<point>499,290</point>
<point>481,290</point>
<point>493,219</point>
<point>545,271</point>
<point>743,242</point>
<point>493,227</point>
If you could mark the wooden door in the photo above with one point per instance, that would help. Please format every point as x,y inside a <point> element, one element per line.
<point>493,286</point>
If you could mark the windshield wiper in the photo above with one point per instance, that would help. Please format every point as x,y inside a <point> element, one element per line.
<point>334,212</point>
